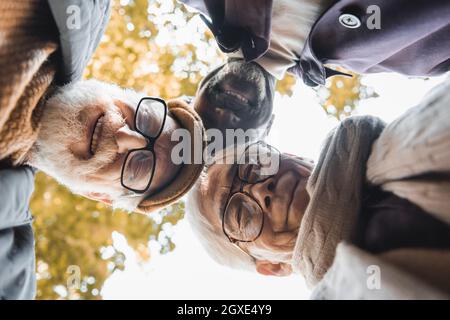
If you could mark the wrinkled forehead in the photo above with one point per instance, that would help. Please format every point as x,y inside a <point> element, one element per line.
<point>214,190</point>
<point>219,177</point>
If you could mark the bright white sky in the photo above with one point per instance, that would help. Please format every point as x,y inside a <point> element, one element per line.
<point>188,273</point>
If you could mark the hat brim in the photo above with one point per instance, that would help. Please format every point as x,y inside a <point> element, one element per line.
<point>189,173</point>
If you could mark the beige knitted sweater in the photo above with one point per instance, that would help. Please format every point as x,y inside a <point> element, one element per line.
<point>410,158</point>
<point>27,41</point>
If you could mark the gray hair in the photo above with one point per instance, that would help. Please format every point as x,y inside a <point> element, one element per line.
<point>212,239</point>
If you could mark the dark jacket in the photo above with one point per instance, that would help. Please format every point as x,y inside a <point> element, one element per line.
<point>388,222</point>
<point>413,39</point>
<point>17,255</point>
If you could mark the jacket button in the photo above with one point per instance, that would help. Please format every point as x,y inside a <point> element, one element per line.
<point>349,21</point>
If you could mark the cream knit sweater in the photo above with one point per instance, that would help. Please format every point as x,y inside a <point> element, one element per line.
<point>410,158</point>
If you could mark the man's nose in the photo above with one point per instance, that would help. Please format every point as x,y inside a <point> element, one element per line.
<point>128,139</point>
<point>263,192</point>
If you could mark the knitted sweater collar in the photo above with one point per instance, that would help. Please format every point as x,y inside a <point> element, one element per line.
<point>335,188</point>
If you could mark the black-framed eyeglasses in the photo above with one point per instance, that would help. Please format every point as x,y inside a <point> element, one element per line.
<point>139,164</point>
<point>243,217</point>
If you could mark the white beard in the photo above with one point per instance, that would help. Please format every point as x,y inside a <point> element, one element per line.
<point>61,127</point>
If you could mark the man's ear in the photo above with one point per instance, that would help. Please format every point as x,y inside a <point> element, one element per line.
<point>97,196</point>
<point>273,269</point>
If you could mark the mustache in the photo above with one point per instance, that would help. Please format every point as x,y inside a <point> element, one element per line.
<point>107,151</point>
<point>239,110</point>
<point>61,127</point>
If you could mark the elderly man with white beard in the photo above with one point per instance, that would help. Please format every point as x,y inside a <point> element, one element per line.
<point>369,220</point>
<point>115,145</point>
<point>38,49</point>
<point>101,141</point>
